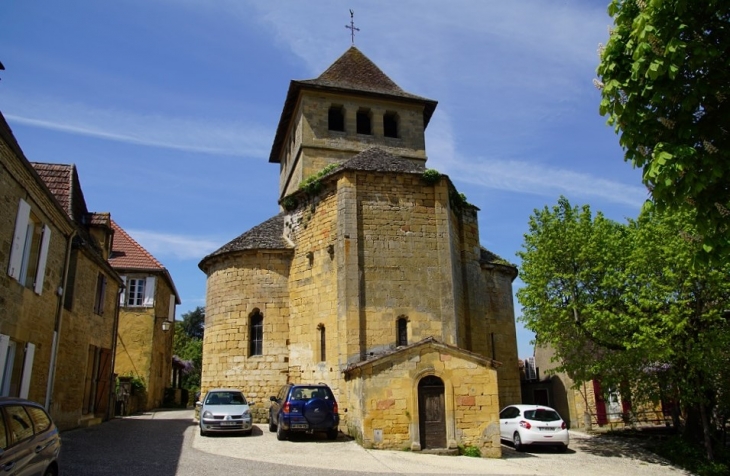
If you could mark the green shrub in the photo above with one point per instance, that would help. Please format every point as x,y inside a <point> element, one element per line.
<point>471,451</point>
<point>431,176</point>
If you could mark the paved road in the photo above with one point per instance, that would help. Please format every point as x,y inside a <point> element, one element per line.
<point>166,443</point>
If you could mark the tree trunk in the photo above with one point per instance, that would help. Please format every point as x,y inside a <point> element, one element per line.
<point>706,432</point>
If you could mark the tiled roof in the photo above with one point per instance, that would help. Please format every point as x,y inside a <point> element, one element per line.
<point>63,182</point>
<point>267,235</point>
<point>128,254</point>
<point>353,72</point>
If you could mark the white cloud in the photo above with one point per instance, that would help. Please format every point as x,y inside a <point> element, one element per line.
<point>181,247</point>
<point>195,135</point>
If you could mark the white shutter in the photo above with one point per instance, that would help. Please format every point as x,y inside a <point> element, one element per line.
<point>27,370</point>
<point>171,312</point>
<point>40,275</point>
<point>149,292</point>
<point>4,343</point>
<point>16,250</point>
<point>123,294</point>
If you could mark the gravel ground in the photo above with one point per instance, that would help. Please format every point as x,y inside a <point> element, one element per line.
<point>587,455</point>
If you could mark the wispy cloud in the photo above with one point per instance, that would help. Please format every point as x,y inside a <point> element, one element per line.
<point>524,177</point>
<point>194,135</point>
<point>181,247</point>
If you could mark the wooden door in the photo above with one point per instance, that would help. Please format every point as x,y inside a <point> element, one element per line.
<point>102,382</point>
<point>431,413</point>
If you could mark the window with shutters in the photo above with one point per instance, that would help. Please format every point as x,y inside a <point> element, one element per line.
<point>29,249</point>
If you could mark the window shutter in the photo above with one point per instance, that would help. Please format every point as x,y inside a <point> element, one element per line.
<point>21,228</point>
<point>41,273</point>
<point>149,292</point>
<point>123,294</point>
<point>171,312</point>
<point>4,343</point>
<point>27,370</point>
<point>103,295</point>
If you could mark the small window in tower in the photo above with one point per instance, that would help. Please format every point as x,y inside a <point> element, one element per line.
<point>322,344</point>
<point>401,337</point>
<point>390,124</point>
<point>256,332</point>
<point>336,118</point>
<point>364,122</point>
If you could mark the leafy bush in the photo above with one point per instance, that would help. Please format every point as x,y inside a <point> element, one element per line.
<point>431,176</point>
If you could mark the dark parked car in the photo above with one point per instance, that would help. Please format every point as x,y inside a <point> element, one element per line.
<point>304,408</point>
<point>29,440</point>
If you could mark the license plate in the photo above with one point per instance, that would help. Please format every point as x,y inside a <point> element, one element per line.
<point>300,426</point>
<point>228,423</point>
<point>546,428</point>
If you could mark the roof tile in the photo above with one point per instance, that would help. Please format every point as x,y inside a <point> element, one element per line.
<point>128,254</point>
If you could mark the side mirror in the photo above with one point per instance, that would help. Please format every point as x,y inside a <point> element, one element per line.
<point>273,399</point>
<point>198,404</point>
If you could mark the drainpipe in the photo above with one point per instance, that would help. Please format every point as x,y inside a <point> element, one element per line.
<point>110,408</point>
<point>57,326</point>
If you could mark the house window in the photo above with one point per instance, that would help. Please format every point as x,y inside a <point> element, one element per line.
<point>390,125</point>
<point>336,118</point>
<point>322,343</point>
<point>135,291</point>
<point>71,280</point>
<point>29,249</point>
<point>16,367</point>
<point>364,122</point>
<point>256,326</point>
<point>100,294</point>
<point>401,331</point>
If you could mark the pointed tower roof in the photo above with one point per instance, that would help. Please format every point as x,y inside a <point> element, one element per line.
<point>351,73</point>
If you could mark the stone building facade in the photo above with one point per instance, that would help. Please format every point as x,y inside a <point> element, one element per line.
<point>58,295</point>
<point>146,320</point>
<point>371,279</point>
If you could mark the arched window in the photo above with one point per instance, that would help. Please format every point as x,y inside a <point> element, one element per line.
<point>336,118</point>
<point>390,124</point>
<point>256,332</point>
<point>364,122</point>
<point>322,343</point>
<point>401,331</point>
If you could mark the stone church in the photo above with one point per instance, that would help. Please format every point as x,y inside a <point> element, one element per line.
<point>370,279</point>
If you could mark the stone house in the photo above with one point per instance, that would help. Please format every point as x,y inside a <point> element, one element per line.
<point>371,278</point>
<point>589,404</point>
<point>58,295</point>
<point>146,319</point>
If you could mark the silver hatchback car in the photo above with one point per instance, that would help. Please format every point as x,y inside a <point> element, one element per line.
<point>29,440</point>
<point>225,410</point>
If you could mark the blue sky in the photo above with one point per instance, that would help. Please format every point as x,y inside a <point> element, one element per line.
<point>168,108</point>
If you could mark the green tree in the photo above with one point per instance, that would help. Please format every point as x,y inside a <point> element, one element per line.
<point>665,85</point>
<point>188,346</point>
<point>628,302</point>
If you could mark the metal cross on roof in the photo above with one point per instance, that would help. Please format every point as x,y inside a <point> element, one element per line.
<point>351,26</point>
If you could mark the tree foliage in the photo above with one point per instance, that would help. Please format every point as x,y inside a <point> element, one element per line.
<point>193,322</point>
<point>188,345</point>
<point>665,81</point>
<point>629,302</point>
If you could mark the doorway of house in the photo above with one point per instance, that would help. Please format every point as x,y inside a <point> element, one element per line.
<point>431,413</point>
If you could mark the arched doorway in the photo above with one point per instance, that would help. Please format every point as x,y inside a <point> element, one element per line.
<point>431,413</point>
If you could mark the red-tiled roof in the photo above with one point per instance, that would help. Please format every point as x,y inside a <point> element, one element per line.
<point>128,254</point>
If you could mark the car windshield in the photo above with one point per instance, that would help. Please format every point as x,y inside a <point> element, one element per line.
<point>306,393</point>
<point>542,414</point>
<point>225,398</point>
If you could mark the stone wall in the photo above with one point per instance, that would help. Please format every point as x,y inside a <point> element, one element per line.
<point>385,395</point>
<point>237,284</point>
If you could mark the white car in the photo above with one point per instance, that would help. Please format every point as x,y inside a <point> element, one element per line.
<point>525,425</point>
<point>225,410</point>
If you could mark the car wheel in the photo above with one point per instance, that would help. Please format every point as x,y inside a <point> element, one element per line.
<point>281,434</point>
<point>517,440</point>
<point>202,433</point>
<point>248,432</point>
<point>272,426</point>
<point>332,434</point>
<point>51,471</point>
